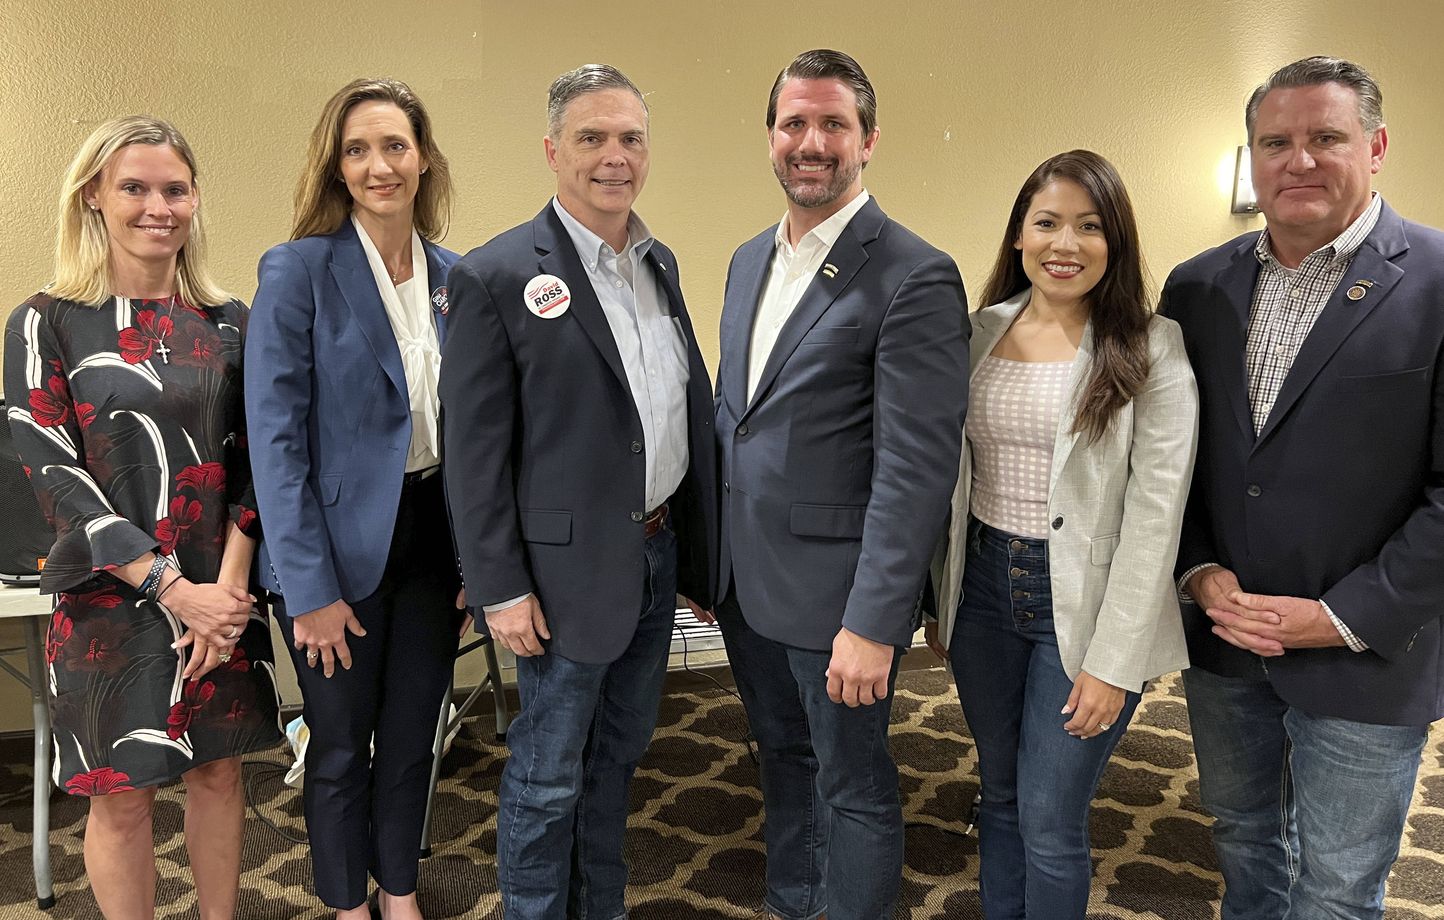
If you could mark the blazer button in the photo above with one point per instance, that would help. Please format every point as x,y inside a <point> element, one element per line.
<point>742,430</point>
<point>636,447</point>
<point>638,516</point>
<point>1254,491</point>
<point>1058,522</point>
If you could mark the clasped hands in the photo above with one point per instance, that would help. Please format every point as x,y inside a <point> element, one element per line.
<point>1264,624</point>
<point>214,615</point>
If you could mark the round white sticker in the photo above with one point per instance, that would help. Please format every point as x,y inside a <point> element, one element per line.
<point>547,296</point>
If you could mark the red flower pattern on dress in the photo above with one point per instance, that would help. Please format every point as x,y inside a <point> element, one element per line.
<point>84,414</point>
<point>94,646</point>
<point>183,514</point>
<point>245,519</point>
<point>198,345</point>
<point>100,781</point>
<point>61,629</point>
<point>193,697</point>
<point>52,409</point>
<point>140,341</point>
<point>203,478</point>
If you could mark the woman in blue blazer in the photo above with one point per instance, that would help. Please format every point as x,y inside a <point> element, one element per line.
<point>341,375</point>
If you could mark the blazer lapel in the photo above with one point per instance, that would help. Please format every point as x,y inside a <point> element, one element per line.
<point>559,257</point>
<point>1342,315</point>
<point>357,284</point>
<point>1066,435</point>
<point>436,279</point>
<point>847,255</point>
<point>744,292</point>
<point>1235,284</point>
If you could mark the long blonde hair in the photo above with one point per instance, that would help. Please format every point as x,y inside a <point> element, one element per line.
<point>322,200</point>
<point>82,246</point>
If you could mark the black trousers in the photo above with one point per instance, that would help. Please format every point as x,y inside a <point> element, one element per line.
<point>364,811</point>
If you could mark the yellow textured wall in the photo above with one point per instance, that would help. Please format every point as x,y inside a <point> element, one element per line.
<point>971,97</point>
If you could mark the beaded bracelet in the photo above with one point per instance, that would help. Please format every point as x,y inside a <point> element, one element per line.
<point>152,580</point>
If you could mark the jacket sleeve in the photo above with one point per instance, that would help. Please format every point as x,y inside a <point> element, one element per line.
<point>1195,544</point>
<point>48,428</point>
<point>920,399</point>
<point>280,362</point>
<point>1160,468</point>
<point>1388,599</point>
<point>479,405</point>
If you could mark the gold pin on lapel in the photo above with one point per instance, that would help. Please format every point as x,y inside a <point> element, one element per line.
<point>1358,289</point>
<point>829,270</point>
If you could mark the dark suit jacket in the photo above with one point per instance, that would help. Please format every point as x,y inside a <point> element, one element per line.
<point>327,391</point>
<point>837,476</point>
<point>1341,496</point>
<point>545,473</point>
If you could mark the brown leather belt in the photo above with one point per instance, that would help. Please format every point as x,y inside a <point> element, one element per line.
<point>655,520</point>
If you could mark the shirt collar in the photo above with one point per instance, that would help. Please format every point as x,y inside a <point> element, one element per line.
<point>1344,246</point>
<point>593,248</point>
<point>827,232</point>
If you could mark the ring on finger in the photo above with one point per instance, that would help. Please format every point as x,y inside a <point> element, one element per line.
<point>224,657</point>
<point>312,655</point>
<point>233,633</point>
<point>1104,726</point>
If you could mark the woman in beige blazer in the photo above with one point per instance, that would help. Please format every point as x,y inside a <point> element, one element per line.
<point>1056,596</point>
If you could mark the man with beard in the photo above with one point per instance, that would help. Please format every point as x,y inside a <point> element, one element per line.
<point>842,389</point>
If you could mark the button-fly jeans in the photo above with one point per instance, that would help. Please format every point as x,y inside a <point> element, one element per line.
<point>1037,780</point>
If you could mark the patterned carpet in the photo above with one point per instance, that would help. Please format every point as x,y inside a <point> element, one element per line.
<point>694,839</point>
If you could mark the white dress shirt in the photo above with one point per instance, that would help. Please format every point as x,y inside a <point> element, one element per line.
<point>791,272</point>
<point>408,307</point>
<point>653,351</point>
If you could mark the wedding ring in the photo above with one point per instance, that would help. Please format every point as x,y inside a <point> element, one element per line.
<point>312,656</point>
<point>233,633</point>
<point>1104,726</point>
<point>225,657</point>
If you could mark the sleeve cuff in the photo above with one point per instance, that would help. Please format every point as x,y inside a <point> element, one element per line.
<point>494,608</point>
<point>1183,596</point>
<point>1354,643</point>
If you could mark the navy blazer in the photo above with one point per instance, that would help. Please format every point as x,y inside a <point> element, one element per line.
<point>1341,496</point>
<point>837,476</point>
<point>327,393</point>
<point>545,470</point>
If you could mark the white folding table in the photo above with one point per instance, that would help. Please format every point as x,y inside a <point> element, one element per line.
<point>33,609</point>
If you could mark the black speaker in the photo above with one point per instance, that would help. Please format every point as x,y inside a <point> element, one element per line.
<point>25,535</point>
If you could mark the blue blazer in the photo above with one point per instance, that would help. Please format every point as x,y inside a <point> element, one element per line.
<point>545,470</point>
<point>1341,496</point>
<point>328,416</point>
<point>837,475</point>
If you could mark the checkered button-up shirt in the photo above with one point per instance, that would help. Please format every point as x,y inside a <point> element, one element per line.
<point>1286,304</point>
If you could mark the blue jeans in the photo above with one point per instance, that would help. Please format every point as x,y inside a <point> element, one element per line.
<point>1308,810</point>
<point>833,826</point>
<point>1037,780</point>
<point>562,804</point>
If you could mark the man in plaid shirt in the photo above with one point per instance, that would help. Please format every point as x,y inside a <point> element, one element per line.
<point>1313,547</point>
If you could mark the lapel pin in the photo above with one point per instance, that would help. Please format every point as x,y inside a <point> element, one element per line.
<point>829,270</point>
<point>1358,289</point>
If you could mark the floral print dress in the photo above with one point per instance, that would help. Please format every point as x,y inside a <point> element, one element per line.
<point>129,419</point>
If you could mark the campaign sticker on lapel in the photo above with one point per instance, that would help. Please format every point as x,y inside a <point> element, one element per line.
<point>439,301</point>
<point>547,296</point>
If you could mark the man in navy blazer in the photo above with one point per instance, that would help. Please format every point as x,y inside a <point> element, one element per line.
<point>842,388</point>
<point>1314,538</point>
<point>581,478</point>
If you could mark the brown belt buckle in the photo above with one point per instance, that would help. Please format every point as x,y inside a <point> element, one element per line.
<point>654,521</point>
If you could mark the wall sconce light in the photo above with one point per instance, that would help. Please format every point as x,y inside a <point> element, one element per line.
<point>1244,201</point>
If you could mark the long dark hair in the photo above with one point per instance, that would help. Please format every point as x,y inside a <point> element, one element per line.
<point>1118,305</point>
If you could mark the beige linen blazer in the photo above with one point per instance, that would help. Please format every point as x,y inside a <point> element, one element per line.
<point>1115,506</point>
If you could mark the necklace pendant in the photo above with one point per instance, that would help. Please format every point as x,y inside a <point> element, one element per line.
<point>164,351</point>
